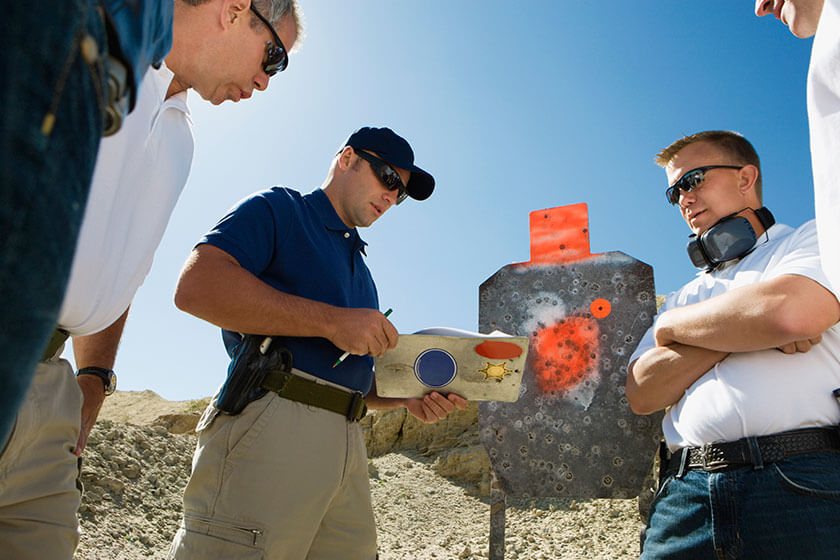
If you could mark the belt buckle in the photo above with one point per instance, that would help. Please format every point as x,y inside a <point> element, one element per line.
<point>357,408</point>
<point>710,464</point>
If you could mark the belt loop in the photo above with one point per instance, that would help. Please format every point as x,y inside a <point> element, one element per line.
<point>59,337</point>
<point>684,452</point>
<point>357,408</point>
<point>755,453</point>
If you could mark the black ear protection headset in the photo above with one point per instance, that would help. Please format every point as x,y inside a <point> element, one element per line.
<point>732,237</point>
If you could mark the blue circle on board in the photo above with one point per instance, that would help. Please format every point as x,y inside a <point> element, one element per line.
<point>435,368</point>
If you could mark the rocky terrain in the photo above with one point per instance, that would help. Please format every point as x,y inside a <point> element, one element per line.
<point>430,487</point>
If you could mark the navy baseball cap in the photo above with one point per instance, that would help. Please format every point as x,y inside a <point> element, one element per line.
<point>393,148</point>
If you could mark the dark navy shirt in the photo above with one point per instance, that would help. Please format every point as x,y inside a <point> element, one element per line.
<point>298,244</point>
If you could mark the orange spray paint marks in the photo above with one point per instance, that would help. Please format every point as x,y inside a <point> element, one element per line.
<point>559,235</point>
<point>498,350</point>
<point>565,353</point>
<point>600,308</point>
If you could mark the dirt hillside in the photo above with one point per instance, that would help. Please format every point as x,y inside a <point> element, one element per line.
<point>430,487</point>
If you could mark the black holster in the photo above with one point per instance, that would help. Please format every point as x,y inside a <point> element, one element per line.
<point>253,358</point>
<point>664,457</point>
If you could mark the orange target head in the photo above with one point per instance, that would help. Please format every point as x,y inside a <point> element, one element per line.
<point>559,235</point>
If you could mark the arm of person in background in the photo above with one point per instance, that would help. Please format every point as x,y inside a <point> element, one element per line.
<point>769,314</point>
<point>214,287</point>
<point>98,350</point>
<point>660,376</point>
<point>789,312</point>
<point>429,409</point>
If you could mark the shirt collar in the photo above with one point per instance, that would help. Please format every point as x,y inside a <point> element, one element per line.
<point>330,217</point>
<point>162,79</point>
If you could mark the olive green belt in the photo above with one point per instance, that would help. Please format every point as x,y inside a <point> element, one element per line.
<point>351,405</point>
<point>59,336</point>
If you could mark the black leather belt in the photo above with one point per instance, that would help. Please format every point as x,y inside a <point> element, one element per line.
<point>714,457</point>
<point>351,405</point>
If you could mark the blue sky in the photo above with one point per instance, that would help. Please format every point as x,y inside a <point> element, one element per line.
<point>513,107</point>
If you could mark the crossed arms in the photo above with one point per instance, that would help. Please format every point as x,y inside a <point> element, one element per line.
<point>789,312</point>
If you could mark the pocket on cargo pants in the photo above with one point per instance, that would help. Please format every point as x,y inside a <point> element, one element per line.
<point>202,538</point>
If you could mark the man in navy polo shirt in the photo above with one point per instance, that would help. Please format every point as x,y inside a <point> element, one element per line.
<point>287,476</point>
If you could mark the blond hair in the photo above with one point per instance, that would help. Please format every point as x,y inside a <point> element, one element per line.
<point>731,144</point>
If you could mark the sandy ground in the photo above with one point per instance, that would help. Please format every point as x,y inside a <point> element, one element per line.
<point>135,470</point>
<point>420,514</point>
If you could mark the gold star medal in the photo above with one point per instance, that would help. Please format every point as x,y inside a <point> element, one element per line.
<point>495,371</point>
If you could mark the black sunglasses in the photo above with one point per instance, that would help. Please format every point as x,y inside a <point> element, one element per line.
<point>276,56</point>
<point>691,180</point>
<point>386,174</point>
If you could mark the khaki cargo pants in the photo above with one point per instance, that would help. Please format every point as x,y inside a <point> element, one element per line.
<point>280,481</point>
<point>39,495</point>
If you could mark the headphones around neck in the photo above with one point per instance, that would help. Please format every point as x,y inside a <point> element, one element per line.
<point>732,237</point>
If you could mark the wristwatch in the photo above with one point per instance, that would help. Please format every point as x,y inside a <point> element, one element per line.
<point>108,377</point>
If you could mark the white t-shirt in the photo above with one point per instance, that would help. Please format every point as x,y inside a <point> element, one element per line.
<point>139,174</point>
<point>824,120</point>
<point>763,392</point>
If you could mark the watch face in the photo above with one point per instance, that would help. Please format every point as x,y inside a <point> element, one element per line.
<point>111,386</point>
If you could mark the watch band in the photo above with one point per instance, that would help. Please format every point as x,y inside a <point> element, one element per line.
<point>108,377</point>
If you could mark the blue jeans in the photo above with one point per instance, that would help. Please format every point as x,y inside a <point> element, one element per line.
<point>46,165</point>
<point>788,509</point>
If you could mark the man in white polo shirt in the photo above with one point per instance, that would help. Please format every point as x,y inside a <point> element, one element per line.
<point>224,49</point>
<point>744,360</point>
<point>820,19</point>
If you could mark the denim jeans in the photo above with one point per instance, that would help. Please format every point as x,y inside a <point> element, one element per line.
<point>788,509</point>
<point>50,127</point>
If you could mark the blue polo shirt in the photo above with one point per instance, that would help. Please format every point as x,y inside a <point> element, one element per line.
<point>298,244</point>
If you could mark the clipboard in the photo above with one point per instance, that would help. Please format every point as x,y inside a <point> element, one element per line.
<point>479,367</point>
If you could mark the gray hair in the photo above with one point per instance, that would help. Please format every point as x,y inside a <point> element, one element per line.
<point>275,10</point>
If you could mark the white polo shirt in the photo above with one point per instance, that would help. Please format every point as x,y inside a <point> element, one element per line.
<point>763,392</point>
<point>139,174</point>
<point>824,121</point>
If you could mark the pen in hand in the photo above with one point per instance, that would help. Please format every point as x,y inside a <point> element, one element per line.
<point>343,356</point>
